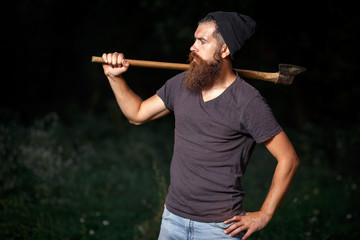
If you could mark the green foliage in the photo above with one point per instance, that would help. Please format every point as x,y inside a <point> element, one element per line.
<point>101,178</point>
<point>92,179</point>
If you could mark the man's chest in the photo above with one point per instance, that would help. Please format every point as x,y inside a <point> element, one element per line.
<point>212,121</point>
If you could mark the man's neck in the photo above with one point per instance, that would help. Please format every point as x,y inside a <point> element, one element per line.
<point>226,78</point>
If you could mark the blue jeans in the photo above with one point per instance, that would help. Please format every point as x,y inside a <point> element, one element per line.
<point>174,227</point>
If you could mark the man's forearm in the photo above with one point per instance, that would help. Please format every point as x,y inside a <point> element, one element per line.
<point>133,107</point>
<point>127,100</point>
<point>287,163</point>
<point>284,173</point>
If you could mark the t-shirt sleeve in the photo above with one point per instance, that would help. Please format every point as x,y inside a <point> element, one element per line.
<point>169,91</point>
<point>259,120</point>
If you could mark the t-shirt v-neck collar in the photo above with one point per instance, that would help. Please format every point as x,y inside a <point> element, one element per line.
<point>221,94</point>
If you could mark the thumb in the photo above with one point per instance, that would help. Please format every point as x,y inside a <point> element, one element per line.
<point>125,63</point>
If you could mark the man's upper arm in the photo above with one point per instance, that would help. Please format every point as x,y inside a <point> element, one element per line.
<point>150,109</point>
<point>281,148</point>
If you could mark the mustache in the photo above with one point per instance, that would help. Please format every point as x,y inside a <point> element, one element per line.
<point>193,56</point>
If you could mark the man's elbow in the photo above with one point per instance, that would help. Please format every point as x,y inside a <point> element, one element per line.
<point>138,120</point>
<point>291,164</point>
<point>137,123</point>
<point>295,163</point>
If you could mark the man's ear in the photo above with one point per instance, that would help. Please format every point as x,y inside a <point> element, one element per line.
<point>225,52</point>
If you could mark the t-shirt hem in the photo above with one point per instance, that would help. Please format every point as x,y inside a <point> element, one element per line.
<point>203,219</point>
<point>272,134</point>
<point>163,99</point>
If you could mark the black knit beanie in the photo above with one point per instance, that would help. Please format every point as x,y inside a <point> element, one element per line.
<point>235,28</point>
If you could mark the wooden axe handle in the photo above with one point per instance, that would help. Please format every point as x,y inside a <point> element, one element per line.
<point>265,76</point>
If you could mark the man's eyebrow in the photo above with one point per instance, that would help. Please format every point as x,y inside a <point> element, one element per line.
<point>201,38</point>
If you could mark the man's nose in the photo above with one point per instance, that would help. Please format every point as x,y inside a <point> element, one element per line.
<point>193,48</point>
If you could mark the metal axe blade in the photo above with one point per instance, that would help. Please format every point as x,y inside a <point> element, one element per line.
<point>287,72</point>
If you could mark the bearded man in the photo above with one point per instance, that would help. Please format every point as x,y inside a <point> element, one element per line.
<point>219,118</point>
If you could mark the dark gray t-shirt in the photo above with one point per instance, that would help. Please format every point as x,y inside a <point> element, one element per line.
<point>213,144</point>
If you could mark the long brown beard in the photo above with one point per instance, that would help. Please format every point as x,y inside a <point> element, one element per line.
<point>201,74</point>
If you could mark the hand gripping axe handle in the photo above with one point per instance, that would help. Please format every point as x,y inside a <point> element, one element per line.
<point>284,76</point>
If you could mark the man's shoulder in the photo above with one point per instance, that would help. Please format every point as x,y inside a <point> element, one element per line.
<point>171,88</point>
<point>177,78</point>
<point>243,91</point>
<point>246,87</point>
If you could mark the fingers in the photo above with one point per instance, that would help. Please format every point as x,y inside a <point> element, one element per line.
<point>115,64</point>
<point>233,219</point>
<point>250,222</point>
<point>239,225</point>
<point>236,228</point>
<point>115,59</point>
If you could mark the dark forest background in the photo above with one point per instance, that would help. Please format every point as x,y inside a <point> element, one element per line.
<point>47,47</point>
<point>72,167</point>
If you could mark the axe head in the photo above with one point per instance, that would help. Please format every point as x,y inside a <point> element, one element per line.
<point>287,72</point>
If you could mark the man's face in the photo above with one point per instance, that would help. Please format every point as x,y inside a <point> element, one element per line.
<point>205,60</point>
<point>205,45</point>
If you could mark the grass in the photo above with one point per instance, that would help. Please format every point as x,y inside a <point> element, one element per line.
<point>101,178</point>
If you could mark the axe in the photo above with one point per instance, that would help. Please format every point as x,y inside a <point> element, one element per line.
<point>284,76</point>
